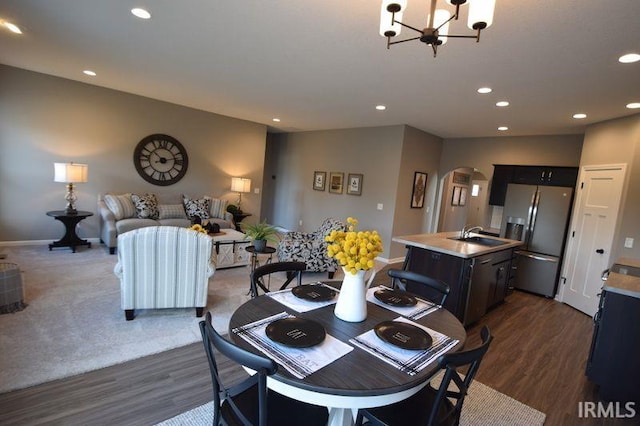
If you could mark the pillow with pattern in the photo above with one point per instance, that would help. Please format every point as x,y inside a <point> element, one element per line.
<point>146,206</point>
<point>198,208</point>
<point>171,211</point>
<point>120,205</point>
<point>218,208</point>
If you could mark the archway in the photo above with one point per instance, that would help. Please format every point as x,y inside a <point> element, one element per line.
<point>463,200</point>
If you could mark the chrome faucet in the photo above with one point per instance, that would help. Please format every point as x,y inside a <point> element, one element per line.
<point>466,231</point>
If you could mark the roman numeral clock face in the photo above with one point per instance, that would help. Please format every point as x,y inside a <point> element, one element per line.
<point>160,159</point>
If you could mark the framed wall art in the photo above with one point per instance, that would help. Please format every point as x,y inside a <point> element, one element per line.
<point>419,188</point>
<point>455,199</point>
<point>354,184</point>
<point>319,180</point>
<point>336,182</point>
<point>463,196</point>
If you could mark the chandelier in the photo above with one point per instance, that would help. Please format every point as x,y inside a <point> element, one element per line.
<point>436,33</point>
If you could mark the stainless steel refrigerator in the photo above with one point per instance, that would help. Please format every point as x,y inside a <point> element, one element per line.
<point>539,217</point>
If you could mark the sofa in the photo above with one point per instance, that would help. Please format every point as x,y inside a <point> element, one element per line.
<point>120,213</point>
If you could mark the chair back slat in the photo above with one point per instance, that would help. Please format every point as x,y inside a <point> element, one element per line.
<point>400,277</point>
<point>293,270</point>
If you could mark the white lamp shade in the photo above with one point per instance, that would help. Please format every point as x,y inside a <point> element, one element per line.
<point>387,26</point>
<point>441,16</point>
<point>481,12</point>
<point>239,184</point>
<point>70,172</point>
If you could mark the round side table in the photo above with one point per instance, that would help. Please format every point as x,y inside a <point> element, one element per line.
<point>255,262</point>
<point>70,220</point>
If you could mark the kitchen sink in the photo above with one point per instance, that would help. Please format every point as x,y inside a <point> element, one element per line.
<point>483,241</point>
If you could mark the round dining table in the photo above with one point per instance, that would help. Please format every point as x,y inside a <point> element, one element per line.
<point>357,379</point>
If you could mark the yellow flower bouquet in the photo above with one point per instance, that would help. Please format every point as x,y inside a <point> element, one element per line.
<point>199,228</point>
<point>354,250</point>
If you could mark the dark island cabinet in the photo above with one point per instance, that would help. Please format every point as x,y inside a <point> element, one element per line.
<point>615,349</point>
<point>475,284</point>
<point>503,175</point>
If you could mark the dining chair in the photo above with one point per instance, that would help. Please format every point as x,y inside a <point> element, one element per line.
<point>431,406</point>
<point>438,290</point>
<point>291,269</point>
<point>250,402</point>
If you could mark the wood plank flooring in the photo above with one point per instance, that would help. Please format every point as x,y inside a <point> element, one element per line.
<point>538,357</point>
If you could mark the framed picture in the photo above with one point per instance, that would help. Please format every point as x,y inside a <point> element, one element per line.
<point>463,196</point>
<point>419,188</point>
<point>455,200</point>
<point>354,184</point>
<point>335,182</point>
<point>319,180</point>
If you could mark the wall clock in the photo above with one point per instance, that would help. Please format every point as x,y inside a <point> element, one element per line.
<point>160,159</point>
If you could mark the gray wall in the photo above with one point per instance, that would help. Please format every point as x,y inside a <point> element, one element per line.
<point>615,142</point>
<point>45,119</point>
<point>386,156</point>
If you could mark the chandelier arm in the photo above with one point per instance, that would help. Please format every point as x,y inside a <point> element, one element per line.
<point>446,22</point>
<point>402,41</point>
<point>435,50</point>
<point>407,26</point>
<point>458,36</point>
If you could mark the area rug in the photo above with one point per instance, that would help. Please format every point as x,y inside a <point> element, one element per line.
<point>73,322</point>
<point>482,406</point>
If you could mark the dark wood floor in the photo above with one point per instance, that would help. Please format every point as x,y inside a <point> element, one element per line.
<point>538,357</point>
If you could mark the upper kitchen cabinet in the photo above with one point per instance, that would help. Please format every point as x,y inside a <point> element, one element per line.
<point>503,175</point>
<point>541,175</point>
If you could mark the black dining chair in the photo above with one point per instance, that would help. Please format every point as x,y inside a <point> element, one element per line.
<point>436,289</point>
<point>431,406</point>
<point>260,274</point>
<point>250,402</point>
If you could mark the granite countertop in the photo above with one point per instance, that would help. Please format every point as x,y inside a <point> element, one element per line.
<point>628,285</point>
<point>442,243</point>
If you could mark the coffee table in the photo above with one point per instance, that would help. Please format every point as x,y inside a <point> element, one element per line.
<point>229,248</point>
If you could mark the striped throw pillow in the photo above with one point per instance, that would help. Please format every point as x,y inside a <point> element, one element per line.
<point>120,205</point>
<point>218,208</point>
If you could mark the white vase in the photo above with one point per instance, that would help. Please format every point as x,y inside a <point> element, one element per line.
<point>352,300</point>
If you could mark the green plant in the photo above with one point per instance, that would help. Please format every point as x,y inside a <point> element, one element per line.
<point>260,231</point>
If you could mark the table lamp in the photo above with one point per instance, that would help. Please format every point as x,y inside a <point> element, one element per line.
<point>70,173</point>
<point>240,185</point>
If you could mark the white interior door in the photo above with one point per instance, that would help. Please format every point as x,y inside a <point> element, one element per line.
<point>591,235</point>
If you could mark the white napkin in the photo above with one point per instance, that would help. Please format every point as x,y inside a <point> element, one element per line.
<point>409,361</point>
<point>421,309</point>
<point>288,299</point>
<point>298,361</point>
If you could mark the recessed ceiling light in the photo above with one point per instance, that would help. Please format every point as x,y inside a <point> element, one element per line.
<point>579,116</point>
<point>381,107</point>
<point>12,27</point>
<point>484,90</point>
<point>503,128</point>
<point>633,105</point>
<point>276,119</point>
<point>502,104</point>
<point>629,58</point>
<point>89,72</point>
<point>141,13</point>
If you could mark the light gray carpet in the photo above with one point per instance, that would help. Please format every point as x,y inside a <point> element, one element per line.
<point>482,406</point>
<point>74,323</point>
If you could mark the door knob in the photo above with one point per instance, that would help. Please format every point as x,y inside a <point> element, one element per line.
<point>600,251</point>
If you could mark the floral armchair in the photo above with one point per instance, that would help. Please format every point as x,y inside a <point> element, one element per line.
<point>310,248</point>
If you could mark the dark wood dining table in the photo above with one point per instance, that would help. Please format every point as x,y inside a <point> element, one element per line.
<point>356,380</point>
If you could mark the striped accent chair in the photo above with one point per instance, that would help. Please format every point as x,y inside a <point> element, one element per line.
<point>164,267</point>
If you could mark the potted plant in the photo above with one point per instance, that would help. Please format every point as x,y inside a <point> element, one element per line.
<point>260,233</point>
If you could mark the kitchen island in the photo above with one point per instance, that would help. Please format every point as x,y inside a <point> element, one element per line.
<point>478,269</point>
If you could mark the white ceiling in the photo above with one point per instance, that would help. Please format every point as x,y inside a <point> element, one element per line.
<point>321,64</point>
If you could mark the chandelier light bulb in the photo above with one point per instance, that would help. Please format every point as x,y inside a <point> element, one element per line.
<point>441,16</point>
<point>481,14</point>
